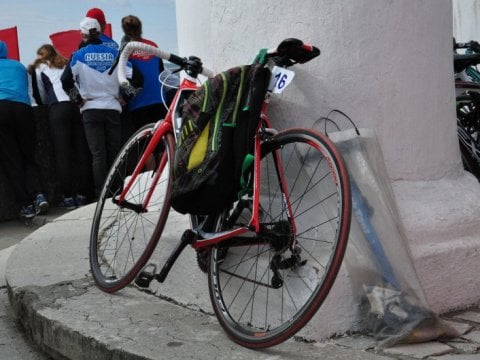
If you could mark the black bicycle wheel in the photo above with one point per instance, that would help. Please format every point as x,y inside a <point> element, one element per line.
<point>265,290</point>
<point>468,130</point>
<point>124,235</point>
<point>470,152</point>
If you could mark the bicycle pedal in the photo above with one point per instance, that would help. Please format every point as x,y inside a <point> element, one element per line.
<point>143,281</point>
<point>144,277</point>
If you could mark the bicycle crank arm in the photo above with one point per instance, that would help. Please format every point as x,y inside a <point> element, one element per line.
<point>145,277</point>
<point>188,238</point>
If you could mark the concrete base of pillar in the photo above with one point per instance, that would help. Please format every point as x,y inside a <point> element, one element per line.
<point>442,223</point>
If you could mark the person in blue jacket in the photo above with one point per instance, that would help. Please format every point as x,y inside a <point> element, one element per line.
<point>149,105</point>
<point>17,136</point>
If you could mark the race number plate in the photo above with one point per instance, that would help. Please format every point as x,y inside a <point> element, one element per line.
<point>280,79</point>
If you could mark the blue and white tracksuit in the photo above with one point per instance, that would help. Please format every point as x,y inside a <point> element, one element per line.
<point>89,68</point>
<point>108,41</point>
<point>86,78</point>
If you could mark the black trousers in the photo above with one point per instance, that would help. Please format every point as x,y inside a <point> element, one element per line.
<point>17,150</point>
<point>72,155</point>
<point>103,132</point>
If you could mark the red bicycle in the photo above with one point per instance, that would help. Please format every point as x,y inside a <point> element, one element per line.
<point>273,255</point>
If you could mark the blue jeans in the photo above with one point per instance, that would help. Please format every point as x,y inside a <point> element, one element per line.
<point>103,132</point>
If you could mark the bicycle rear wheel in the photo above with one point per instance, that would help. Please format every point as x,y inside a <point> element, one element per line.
<point>123,237</point>
<point>470,152</point>
<point>265,291</point>
<point>468,129</point>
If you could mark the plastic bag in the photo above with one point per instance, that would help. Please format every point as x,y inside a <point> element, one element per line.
<point>390,298</point>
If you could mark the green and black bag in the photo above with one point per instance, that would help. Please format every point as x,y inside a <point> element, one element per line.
<point>219,123</point>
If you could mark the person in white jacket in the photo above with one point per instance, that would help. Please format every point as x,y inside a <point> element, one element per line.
<point>86,79</point>
<point>72,155</point>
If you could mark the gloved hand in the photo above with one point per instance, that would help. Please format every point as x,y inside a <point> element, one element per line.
<point>128,91</point>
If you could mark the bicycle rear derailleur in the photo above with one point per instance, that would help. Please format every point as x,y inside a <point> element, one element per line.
<point>278,263</point>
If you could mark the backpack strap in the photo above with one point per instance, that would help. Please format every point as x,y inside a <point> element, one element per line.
<point>261,57</point>
<point>246,165</point>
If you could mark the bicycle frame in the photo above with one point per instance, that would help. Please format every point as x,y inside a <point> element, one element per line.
<point>206,239</point>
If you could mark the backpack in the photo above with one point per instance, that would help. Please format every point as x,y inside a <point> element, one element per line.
<point>219,124</point>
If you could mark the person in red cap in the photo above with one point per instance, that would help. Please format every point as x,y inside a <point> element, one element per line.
<point>97,14</point>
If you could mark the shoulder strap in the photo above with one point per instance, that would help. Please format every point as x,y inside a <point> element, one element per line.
<point>261,57</point>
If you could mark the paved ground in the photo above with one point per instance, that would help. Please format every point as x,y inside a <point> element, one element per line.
<point>13,343</point>
<point>13,231</point>
<point>56,302</point>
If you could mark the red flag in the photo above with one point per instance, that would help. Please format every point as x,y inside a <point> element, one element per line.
<point>66,42</point>
<point>11,39</point>
<point>108,30</point>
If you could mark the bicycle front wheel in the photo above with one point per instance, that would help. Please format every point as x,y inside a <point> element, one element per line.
<point>266,290</point>
<point>124,234</point>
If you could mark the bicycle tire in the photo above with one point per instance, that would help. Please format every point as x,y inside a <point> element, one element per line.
<point>249,309</point>
<point>471,162</point>
<point>468,130</point>
<point>122,239</point>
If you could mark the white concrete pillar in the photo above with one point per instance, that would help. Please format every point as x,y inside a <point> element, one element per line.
<point>466,20</point>
<point>387,64</point>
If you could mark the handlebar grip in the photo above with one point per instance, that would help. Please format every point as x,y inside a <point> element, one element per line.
<point>207,72</point>
<point>129,49</point>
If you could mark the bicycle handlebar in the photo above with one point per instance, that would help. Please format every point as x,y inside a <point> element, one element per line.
<point>139,46</point>
<point>472,45</point>
<point>290,51</point>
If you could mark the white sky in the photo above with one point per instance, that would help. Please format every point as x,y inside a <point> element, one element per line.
<point>37,19</point>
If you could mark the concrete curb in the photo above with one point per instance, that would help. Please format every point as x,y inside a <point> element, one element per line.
<point>53,295</point>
